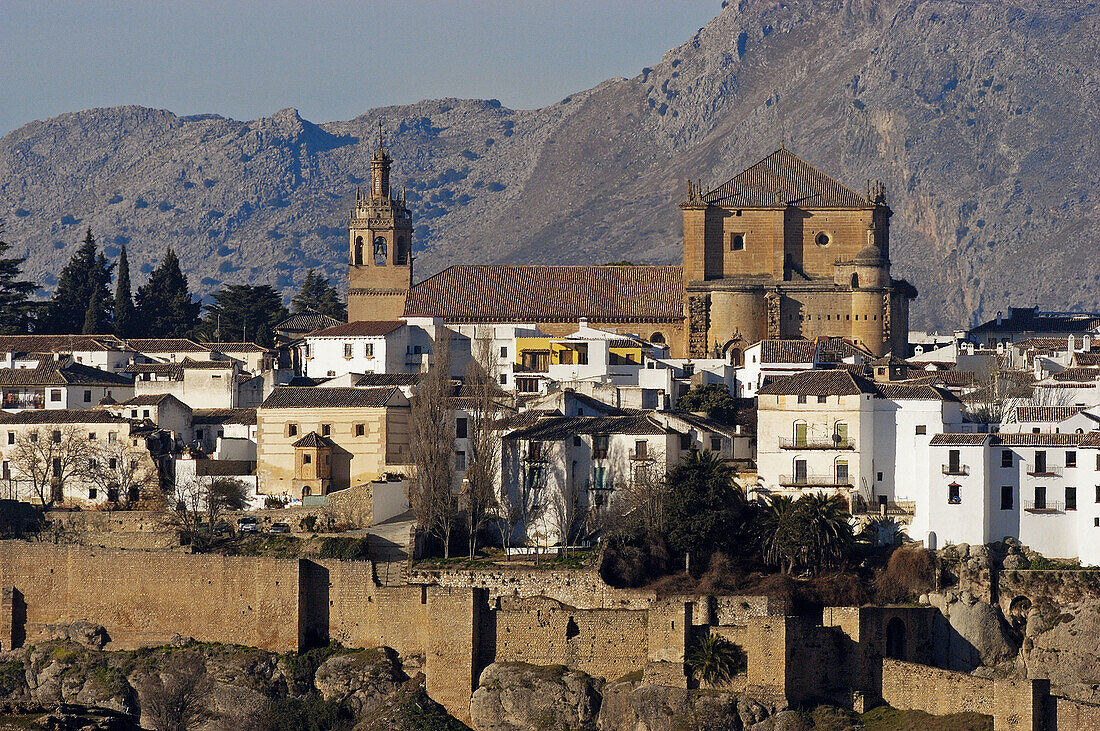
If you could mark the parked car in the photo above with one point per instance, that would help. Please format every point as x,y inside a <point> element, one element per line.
<point>279,528</point>
<point>248,524</point>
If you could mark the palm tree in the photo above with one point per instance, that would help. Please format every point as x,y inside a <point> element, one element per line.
<point>716,660</point>
<point>770,529</point>
<point>827,529</point>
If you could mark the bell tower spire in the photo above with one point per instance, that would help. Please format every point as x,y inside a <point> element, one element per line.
<point>380,246</point>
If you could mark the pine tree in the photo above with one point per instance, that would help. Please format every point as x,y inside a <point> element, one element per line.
<point>14,306</point>
<point>84,282</point>
<point>124,303</point>
<point>163,304</point>
<point>318,295</point>
<point>244,312</point>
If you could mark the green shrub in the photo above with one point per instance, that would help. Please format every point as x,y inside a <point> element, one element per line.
<point>716,660</point>
<point>346,549</point>
<point>310,713</point>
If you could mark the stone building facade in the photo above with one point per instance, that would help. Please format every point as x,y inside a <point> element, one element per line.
<point>781,250</point>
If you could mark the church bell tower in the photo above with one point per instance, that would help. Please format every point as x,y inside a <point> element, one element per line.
<point>380,247</point>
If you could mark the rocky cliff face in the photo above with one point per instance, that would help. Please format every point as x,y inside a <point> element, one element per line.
<point>980,117</point>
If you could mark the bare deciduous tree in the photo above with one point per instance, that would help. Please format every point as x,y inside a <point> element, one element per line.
<point>519,504</point>
<point>205,499</point>
<point>49,457</point>
<point>483,454</point>
<point>431,494</point>
<point>176,697</point>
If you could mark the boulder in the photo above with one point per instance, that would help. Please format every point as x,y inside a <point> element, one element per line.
<point>83,633</point>
<point>522,697</point>
<point>363,681</point>
<point>976,634</point>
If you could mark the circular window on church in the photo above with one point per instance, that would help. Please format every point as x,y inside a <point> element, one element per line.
<point>823,239</point>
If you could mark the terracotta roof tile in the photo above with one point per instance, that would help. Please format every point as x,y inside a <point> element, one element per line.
<point>245,416</point>
<point>63,416</point>
<point>315,440</point>
<point>491,293</point>
<point>306,322</point>
<point>50,373</point>
<point>58,343</point>
<point>237,347</point>
<point>1045,439</point>
<point>389,379</point>
<point>290,397</point>
<point>555,428</point>
<point>960,440</point>
<point>1052,414</point>
<point>1078,375</point>
<point>367,329</point>
<point>166,345</point>
<point>818,383</point>
<point>784,175</point>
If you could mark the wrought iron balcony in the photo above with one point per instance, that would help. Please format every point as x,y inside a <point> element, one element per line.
<point>1044,506</point>
<point>815,480</point>
<point>1043,471</point>
<point>956,469</point>
<point>834,442</point>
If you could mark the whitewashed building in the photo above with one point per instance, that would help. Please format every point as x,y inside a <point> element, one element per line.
<point>1042,489</point>
<point>355,347</point>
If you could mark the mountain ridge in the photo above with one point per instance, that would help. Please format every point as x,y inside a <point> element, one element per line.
<point>980,118</point>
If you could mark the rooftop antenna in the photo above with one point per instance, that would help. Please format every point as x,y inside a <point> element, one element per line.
<point>380,134</point>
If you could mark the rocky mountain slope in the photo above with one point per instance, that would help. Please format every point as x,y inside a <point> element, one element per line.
<point>981,116</point>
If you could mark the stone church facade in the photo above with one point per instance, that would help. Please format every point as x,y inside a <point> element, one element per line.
<point>781,250</point>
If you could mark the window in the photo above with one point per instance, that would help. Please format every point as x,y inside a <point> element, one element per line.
<point>879,476</point>
<point>840,434</point>
<point>953,461</point>
<point>133,413</point>
<point>504,351</point>
<point>305,350</point>
<point>34,440</point>
<point>716,444</point>
<point>360,430</point>
<point>685,443</point>
<point>1035,430</point>
<point>503,379</point>
<point>1040,462</point>
<point>460,460</point>
<point>641,449</point>
<point>198,434</point>
<point>822,239</point>
<point>1071,498</point>
<point>145,413</point>
<point>1040,497</point>
<point>55,395</point>
<point>92,465</point>
<point>292,430</point>
<point>801,399</point>
<point>55,437</point>
<point>326,430</point>
<point>461,428</point>
<point>11,437</point>
<point>922,428</point>
<point>348,350</point>
<point>1006,497</point>
<point>91,436</point>
<point>737,242</point>
<point>800,434</point>
<point>1071,458</point>
<point>112,437</point>
<point>112,463</point>
<point>534,451</point>
<point>87,396</point>
<point>307,458</point>
<point>822,399</point>
<point>953,496</point>
<point>56,467</point>
<point>577,441</point>
<point>800,473</point>
<point>1097,494</point>
<point>599,477</point>
<point>1006,458</point>
<point>599,446</point>
<point>842,472</point>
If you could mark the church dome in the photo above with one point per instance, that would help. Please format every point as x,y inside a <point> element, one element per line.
<point>870,255</point>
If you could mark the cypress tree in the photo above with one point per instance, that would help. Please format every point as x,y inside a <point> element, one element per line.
<point>84,282</point>
<point>14,306</point>
<point>245,311</point>
<point>124,303</point>
<point>318,295</point>
<point>164,305</point>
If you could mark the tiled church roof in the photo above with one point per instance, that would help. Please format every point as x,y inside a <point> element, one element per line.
<point>492,293</point>
<point>792,178</point>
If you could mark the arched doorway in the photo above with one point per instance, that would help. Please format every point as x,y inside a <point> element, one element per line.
<point>895,639</point>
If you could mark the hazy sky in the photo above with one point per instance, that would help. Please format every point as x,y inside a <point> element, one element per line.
<point>331,60</point>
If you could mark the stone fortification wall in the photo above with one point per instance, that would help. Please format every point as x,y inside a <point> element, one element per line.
<point>579,589</point>
<point>608,643</point>
<point>1074,716</point>
<point>145,598</point>
<point>909,686</point>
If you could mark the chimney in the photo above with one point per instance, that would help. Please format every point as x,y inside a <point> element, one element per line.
<point>582,323</point>
<point>1086,344</point>
<point>1000,318</point>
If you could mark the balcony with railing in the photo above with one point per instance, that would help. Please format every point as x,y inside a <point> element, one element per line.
<point>1044,506</point>
<point>956,469</point>
<point>640,455</point>
<point>833,442</point>
<point>815,480</point>
<point>1042,470</point>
